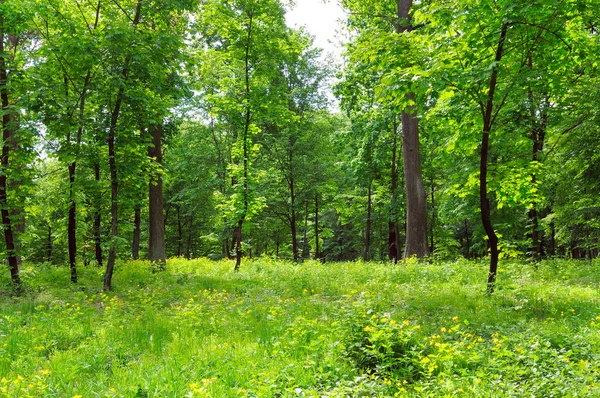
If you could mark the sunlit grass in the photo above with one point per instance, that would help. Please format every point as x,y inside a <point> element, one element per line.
<point>280,329</point>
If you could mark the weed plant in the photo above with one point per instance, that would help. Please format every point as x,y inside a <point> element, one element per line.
<point>278,329</point>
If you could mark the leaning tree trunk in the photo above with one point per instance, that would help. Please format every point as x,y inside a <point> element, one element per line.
<point>484,202</point>
<point>156,226</point>
<point>114,185</point>
<point>416,200</point>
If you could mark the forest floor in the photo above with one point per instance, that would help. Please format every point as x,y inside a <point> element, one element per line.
<point>278,329</point>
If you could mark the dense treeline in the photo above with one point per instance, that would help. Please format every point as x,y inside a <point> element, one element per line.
<point>181,128</point>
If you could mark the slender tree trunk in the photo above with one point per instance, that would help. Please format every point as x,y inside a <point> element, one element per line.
<point>393,238</point>
<point>416,200</point>
<point>49,244</point>
<point>72,218</point>
<point>305,247</point>
<point>238,245</point>
<point>293,218</point>
<point>317,253</point>
<point>188,241</point>
<point>114,184</point>
<point>98,218</point>
<point>135,244</point>
<point>8,125</point>
<point>156,224</point>
<point>368,227</point>
<point>179,232</point>
<point>432,227</point>
<point>484,202</point>
<point>467,240</point>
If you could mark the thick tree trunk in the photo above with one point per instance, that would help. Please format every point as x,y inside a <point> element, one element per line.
<point>369,224</point>
<point>484,202</point>
<point>8,132</point>
<point>416,200</point>
<point>135,243</point>
<point>114,184</point>
<point>156,224</point>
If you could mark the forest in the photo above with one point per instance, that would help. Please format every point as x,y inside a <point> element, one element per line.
<point>208,149</point>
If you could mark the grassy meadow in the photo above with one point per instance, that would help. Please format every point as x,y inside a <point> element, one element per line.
<point>276,329</point>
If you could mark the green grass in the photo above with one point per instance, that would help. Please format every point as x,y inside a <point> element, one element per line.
<point>278,329</point>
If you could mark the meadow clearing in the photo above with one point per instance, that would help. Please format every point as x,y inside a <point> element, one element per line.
<point>277,329</point>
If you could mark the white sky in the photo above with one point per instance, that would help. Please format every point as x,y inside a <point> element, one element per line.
<point>320,17</point>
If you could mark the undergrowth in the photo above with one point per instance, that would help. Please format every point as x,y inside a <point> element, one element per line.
<point>280,329</point>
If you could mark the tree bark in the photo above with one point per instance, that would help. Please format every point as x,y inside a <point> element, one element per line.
<point>156,225</point>
<point>305,247</point>
<point>317,252</point>
<point>72,218</point>
<point>98,219</point>
<point>135,244</point>
<point>393,232</point>
<point>49,244</point>
<point>368,227</point>
<point>8,132</point>
<point>432,226</point>
<point>238,232</point>
<point>179,232</point>
<point>416,200</point>
<point>292,218</point>
<point>114,184</point>
<point>484,202</point>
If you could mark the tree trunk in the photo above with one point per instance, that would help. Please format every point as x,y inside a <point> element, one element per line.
<point>238,245</point>
<point>135,244</point>
<point>188,241</point>
<point>293,220</point>
<point>317,253</point>
<point>8,132</point>
<point>156,224</point>
<point>98,219</point>
<point>49,244</point>
<point>393,238</point>
<point>484,202</point>
<point>432,234</point>
<point>368,227</point>
<point>179,232</point>
<point>114,184</point>
<point>305,247</point>
<point>72,218</point>
<point>416,200</point>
